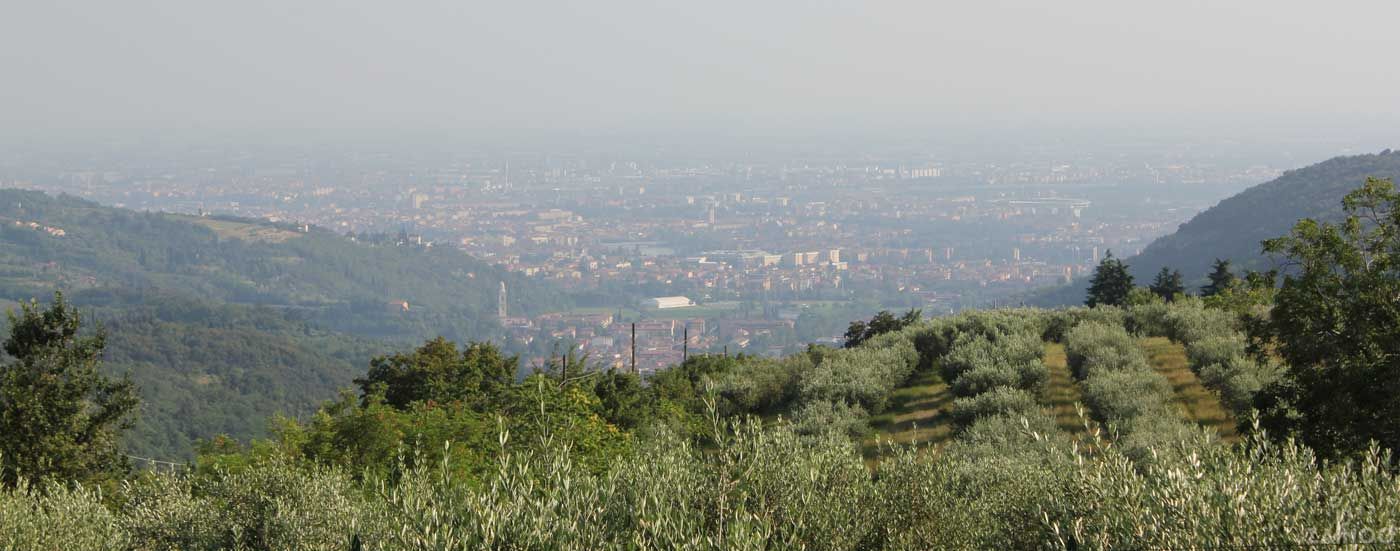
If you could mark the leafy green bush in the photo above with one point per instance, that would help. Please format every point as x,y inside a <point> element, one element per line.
<point>1222,362</point>
<point>1094,346</point>
<point>1011,402</point>
<point>1029,376</point>
<point>1190,321</point>
<point>864,375</point>
<point>557,476</point>
<point>819,417</point>
<point>1238,380</point>
<point>985,491</point>
<point>58,516</point>
<point>1005,483</point>
<point>1120,395</point>
<point>272,504</point>
<point>1259,495</point>
<point>1148,320</point>
<point>1124,392</point>
<point>1059,323</point>
<point>1214,350</point>
<point>764,386</point>
<point>985,378</point>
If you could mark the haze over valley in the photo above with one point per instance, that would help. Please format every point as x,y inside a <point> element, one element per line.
<point>731,275</point>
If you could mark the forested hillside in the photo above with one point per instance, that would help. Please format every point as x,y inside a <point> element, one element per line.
<point>1234,228</point>
<point>223,322</point>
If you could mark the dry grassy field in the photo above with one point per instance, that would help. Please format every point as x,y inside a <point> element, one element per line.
<point>1062,393</point>
<point>918,414</point>
<point>1196,402</point>
<point>240,230</point>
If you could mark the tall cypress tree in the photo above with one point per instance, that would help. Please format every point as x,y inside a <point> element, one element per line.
<point>1111,283</point>
<point>1220,279</point>
<point>1168,284</point>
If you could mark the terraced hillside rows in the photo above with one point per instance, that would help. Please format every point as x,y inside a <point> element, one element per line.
<point>918,415</point>
<point>921,411</point>
<point>1061,392</point>
<point>1195,402</point>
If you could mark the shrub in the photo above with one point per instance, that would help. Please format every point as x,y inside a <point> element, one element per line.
<point>1058,324</point>
<point>1148,320</point>
<point>820,417</point>
<point>1214,350</point>
<point>58,516</point>
<point>985,378</point>
<point>1190,321</point>
<point>1032,376</point>
<point>1238,380</point>
<point>764,386</point>
<point>968,352</point>
<point>862,376</point>
<point>272,504</point>
<point>933,341</point>
<point>1011,352</point>
<point>1011,402</point>
<point>1227,497</point>
<point>1095,346</point>
<point>1119,396</point>
<point>1159,436</point>
<point>838,379</point>
<point>984,491</point>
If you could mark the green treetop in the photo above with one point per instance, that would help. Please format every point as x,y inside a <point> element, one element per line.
<point>59,416</point>
<point>439,372</point>
<point>1168,284</point>
<point>1111,283</point>
<point>1336,323</point>
<point>1220,279</point>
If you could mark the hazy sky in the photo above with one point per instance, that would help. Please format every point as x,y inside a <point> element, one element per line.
<point>533,66</point>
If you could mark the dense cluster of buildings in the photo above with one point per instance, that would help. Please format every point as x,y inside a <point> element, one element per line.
<point>672,236</point>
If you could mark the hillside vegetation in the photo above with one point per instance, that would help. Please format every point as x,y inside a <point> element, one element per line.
<point>224,322</point>
<point>1235,228</point>
<point>561,469</point>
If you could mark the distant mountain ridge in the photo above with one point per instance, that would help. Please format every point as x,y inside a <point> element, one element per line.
<point>1234,228</point>
<point>224,322</point>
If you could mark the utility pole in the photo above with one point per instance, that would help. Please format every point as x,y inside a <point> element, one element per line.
<point>634,348</point>
<point>685,344</point>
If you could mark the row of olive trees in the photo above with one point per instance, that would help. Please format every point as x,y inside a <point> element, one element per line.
<point>1122,390</point>
<point>849,384</point>
<point>1216,350</point>
<point>995,370</point>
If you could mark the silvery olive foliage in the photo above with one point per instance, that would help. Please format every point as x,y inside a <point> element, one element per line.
<point>1255,495</point>
<point>1010,479</point>
<point>1123,391</point>
<point>53,515</point>
<point>1006,400</point>
<point>1217,351</point>
<point>863,376</point>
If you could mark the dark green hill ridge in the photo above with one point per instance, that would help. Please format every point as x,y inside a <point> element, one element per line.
<point>224,322</point>
<point>1234,228</point>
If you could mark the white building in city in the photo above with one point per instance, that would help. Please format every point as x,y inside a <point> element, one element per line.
<point>662,303</point>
